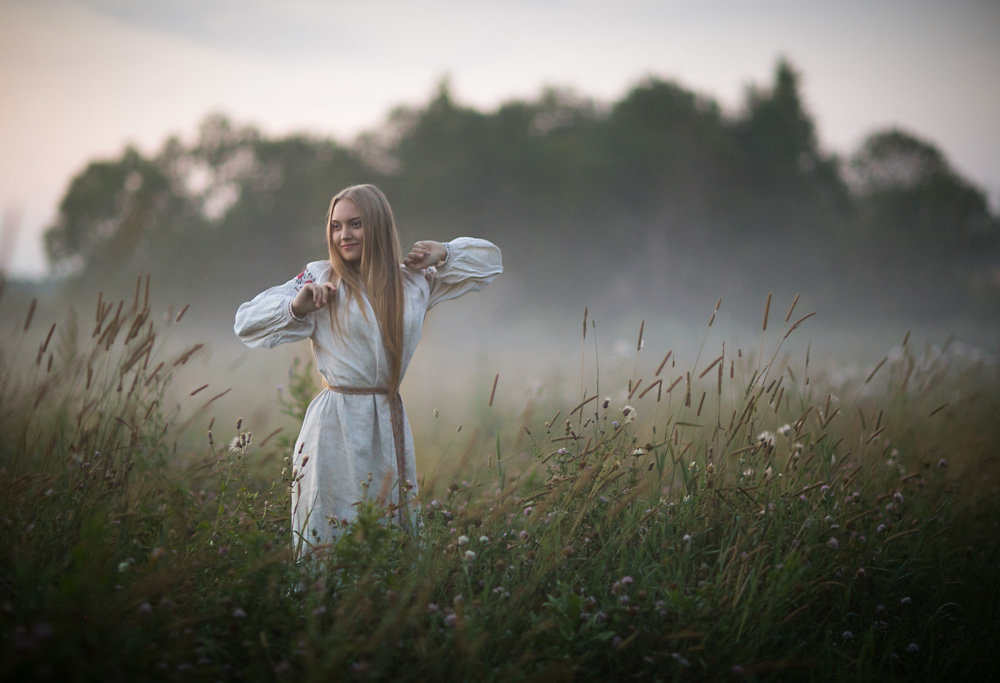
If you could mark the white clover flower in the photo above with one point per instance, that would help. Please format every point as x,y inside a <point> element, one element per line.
<point>462,540</point>
<point>629,414</point>
<point>470,555</point>
<point>484,539</point>
<point>562,451</point>
<point>766,438</point>
<point>833,543</point>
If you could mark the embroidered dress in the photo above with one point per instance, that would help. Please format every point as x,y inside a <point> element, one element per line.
<point>347,437</point>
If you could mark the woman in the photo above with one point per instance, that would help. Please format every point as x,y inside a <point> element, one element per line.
<point>364,313</point>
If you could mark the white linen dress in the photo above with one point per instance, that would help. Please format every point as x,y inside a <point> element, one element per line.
<point>346,439</point>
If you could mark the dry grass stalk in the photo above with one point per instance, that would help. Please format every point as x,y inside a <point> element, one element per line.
<point>645,391</point>
<point>663,362</point>
<point>494,390</point>
<point>31,314</point>
<point>580,405</point>
<point>796,325</point>
<point>187,355</point>
<point>791,308</point>
<point>711,365</point>
<point>714,312</point>
<point>877,368</point>
<point>767,309</point>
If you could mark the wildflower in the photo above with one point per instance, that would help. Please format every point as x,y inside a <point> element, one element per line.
<point>768,472</point>
<point>766,438</point>
<point>469,555</point>
<point>626,580</point>
<point>451,619</point>
<point>527,511</point>
<point>881,529</point>
<point>905,601</point>
<point>943,462</point>
<point>523,535</point>
<point>784,429</point>
<point>898,497</point>
<point>462,540</point>
<point>833,543</point>
<point>686,538</point>
<point>912,648</point>
<point>710,468</point>
<point>629,414</point>
<point>238,613</point>
<point>606,403</point>
<point>432,607</point>
<point>562,451</point>
<point>637,452</point>
<point>484,539</point>
<point>847,635</point>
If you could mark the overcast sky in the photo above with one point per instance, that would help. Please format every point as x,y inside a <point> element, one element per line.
<point>83,78</point>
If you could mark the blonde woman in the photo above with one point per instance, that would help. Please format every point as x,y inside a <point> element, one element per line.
<point>363,310</point>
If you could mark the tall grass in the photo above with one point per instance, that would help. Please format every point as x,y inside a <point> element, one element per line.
<point>740,517</point>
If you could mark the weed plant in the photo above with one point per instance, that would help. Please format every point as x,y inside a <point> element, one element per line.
<point>738,519</point>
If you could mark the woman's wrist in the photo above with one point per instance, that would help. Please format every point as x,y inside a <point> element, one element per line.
<point>296,314</point>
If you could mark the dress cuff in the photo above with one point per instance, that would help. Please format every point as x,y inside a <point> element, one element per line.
<point>292,315</point>
<point>447,257</point>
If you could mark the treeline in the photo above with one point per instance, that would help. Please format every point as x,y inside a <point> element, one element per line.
<point>659,197</point>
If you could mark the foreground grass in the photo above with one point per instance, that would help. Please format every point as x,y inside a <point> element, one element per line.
<point>735,520</point>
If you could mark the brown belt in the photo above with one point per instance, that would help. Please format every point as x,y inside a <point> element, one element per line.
<point>398,435</point>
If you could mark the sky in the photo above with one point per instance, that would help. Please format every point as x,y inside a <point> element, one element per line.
<point>81,79</point>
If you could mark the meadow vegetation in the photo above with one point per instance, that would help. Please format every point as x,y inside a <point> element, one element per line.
<point>739,518</point>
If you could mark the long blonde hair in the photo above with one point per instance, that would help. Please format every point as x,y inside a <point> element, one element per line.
<point>378,275</point>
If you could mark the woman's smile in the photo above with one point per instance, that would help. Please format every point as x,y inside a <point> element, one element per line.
<point>347,230</point>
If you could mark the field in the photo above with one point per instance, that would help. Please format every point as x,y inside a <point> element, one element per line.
<point>739,517</point>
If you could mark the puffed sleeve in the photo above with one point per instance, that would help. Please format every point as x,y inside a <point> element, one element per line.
<point>267,319</point>
<point>471,265</point>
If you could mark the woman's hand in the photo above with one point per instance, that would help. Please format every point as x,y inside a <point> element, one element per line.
<point>312,297</point>
<point>424,254</point>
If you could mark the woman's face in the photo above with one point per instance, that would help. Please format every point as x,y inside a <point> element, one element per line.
<point>346,230</point>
